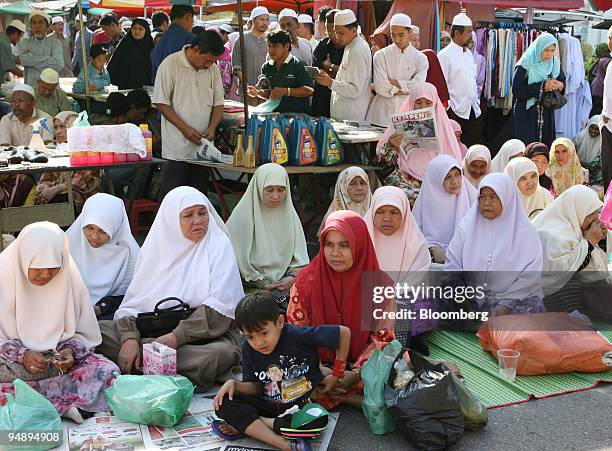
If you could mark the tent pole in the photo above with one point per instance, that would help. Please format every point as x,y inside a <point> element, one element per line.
<point>243,63</point>
<point>84,65</point>
<point>201,12</point>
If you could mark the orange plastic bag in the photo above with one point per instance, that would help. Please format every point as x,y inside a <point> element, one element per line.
<point>549,343</point>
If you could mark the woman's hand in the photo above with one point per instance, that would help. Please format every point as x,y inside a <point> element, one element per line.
<point>284,285</point>
<point>595,233</point>
<point>35,362</point>
<point>252,91</point>
<point>395,140</point>
<point>438,254</point>
<point>549,85</point>
<point>169,340</point>
<point>344,384</point>
<point>328,383</point>
<point>129,356</point>
<point>66,362</point>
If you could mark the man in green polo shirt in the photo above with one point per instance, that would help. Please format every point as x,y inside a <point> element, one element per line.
<point>284,77</point>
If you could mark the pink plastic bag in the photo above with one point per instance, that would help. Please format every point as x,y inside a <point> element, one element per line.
<point>606,211</point>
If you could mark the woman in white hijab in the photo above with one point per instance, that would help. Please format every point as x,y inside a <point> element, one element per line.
<point>188,256</point>
<point>588,147</point>
<point>511,149</point>
<point>352,192</point>
<point>570,232</point>
<point>499,244</point>
<point>476,164</point>
<point>47,326</point>
<point>535,198</point>
<point>104,250</point>
<point>445,197</point>
<point>267,233</point>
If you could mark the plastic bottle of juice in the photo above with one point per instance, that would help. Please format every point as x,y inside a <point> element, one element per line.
<point>148,137</point>
<point>36,142</point>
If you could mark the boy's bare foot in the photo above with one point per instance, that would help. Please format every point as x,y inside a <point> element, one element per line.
<point>228,429</point>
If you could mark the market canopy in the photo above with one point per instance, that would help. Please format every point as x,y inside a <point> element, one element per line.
<point>23,9</point>
<point>273,6</point>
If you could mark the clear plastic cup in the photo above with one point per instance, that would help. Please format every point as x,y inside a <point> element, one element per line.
<point>508,363</point>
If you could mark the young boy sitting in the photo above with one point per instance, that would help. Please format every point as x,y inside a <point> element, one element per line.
<point>280,364</point>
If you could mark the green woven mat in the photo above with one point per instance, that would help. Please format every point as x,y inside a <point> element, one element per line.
<point>480,370</point>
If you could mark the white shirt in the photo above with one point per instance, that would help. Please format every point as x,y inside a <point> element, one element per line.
<point>408,67</point>
<point>192,94</point>
<point>351,88</point>
<point>303,51</point>
<point>313,43</point>
<point>460,72</point>
<point>607,98</point>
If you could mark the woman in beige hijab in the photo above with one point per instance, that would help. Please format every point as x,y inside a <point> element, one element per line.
<point>352,193</point>
<point>534,197</point>
<point>48,326</point>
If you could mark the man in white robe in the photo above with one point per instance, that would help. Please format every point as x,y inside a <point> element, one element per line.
<point>351,87</point>
<point>397,69</point>
<point>459,69</point>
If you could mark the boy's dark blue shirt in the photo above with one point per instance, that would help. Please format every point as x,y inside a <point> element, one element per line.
<point>291,371</point>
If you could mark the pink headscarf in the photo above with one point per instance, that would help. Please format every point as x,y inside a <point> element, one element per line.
<point>457,128</point>
<point>436,212</point>
<point>405,250</point>
<point>415,161</point>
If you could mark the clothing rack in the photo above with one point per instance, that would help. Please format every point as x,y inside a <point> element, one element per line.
<point>553,29</point>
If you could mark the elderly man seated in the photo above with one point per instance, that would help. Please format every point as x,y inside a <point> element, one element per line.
<point>49,97</point>
<point>16,128</point>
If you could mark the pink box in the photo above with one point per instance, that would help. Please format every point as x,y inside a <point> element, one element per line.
<point>158,359</point>
<point>132,157</point>
<point>120,158</point>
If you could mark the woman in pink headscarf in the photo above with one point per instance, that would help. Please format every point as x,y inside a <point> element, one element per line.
<point>410,164</point>
<point>400,245</point>
<point>225,66</point>
<point>457,129</point>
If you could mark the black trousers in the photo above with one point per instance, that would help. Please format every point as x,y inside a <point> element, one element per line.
<point>244,410</point>
<point>471,129</point>
<point>179,173</point>
<point>606,156</point>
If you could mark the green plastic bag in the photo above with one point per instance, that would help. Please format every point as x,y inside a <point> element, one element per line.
<point>154,400</point>
<point>475,413</point>
<point>374,374</point>
<point>30,411</point>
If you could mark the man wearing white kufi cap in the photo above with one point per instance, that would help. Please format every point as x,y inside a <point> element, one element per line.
<point>49,97</point>
<point>606,122</point>
<point>306,30</point>
<point>39,51</point>
<point>351,87</point>
<point>12,35</point>
<point>16,127</point>
<point>255,49</point>
<point>58,33</point>
<point>300,47</point>
<point>397,69</point>
<point>460,72</point>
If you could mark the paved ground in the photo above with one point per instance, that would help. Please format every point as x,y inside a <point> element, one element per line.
<point>575,421</point>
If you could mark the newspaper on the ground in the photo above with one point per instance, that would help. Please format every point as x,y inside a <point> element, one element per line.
<point>193,433</point>
<point>418,128</point>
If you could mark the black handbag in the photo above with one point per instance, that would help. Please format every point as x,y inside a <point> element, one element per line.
<point>553,100</point>
<point>162,321</point>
